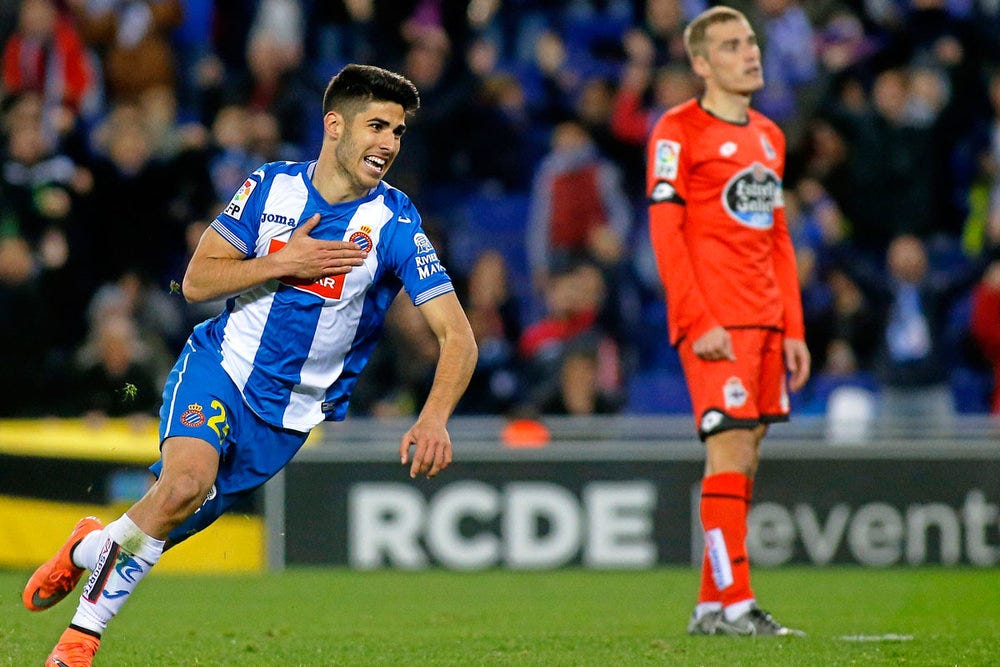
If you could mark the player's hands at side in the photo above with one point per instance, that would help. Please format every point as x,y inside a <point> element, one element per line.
<point>714,345</point>
<point>308,258</point>
<point>797,360</point>
<point>432,452</point>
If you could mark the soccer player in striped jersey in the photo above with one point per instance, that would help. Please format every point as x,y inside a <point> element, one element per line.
<point>310,256</point>
<point>717,224</point>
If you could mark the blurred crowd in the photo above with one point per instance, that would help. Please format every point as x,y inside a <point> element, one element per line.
<point>127,124</point>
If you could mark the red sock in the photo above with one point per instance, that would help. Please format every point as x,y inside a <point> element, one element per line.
<point>725,498</point>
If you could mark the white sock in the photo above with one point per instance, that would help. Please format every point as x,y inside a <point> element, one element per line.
<point>734,611</point>
<point>704,608</point>
<point>86,551</point>
<point>124,557</point>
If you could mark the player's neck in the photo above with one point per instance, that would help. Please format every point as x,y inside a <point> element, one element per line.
<point>331,183</point>
<point>731,107</point>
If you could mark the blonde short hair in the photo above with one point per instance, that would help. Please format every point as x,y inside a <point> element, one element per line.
<point>694,33</point>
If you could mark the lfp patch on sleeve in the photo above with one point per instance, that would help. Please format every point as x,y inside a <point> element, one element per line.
<point>239,201</point>
<point>668,156</point>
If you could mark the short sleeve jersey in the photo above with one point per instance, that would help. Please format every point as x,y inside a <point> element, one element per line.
<point>727,177</point>
<point>295,348</point>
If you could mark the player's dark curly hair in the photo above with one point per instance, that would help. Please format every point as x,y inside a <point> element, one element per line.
<point>359,84</point>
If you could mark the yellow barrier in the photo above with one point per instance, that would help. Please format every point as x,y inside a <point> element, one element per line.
<point>32,530</point>
<point>108,440</point>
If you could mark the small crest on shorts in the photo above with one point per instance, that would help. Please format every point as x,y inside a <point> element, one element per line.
<point>193,416</point>
<point>734,393</point>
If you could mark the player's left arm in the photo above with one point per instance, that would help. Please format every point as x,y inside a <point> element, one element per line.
<point>797,357</point>
<point>456,362</point>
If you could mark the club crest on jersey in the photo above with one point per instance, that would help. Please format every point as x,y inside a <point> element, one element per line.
<point>734,393</point>
<point>769,151</point>
<point>362,238</point>
<point>751,196</point>
<point>239,201</point>
<point>423,243</point>
<point>193,417</point>
<point>667,158</point>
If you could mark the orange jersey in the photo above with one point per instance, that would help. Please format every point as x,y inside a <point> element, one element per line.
<point>717,223</point>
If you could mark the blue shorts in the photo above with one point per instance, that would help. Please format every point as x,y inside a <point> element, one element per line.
<point>201,401</point>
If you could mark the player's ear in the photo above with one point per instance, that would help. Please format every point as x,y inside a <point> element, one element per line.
<point>699,64</point>
<point>333,124</point>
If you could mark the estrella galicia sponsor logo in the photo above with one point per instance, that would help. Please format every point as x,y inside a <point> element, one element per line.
<point>278,218</point>
<point>194,416</point>
<point>751,196</point>
<point>423,243</point>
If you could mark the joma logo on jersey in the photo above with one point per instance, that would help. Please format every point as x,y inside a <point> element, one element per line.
<point>328,287</point>
<point>280,219</point>
<point>751,196</point>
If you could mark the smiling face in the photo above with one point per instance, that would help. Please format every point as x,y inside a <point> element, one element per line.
<point>729,61</point>
<point>366,143</point>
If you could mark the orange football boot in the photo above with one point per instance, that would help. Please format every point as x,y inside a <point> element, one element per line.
<point>59,576</point>
<point>75,649</point>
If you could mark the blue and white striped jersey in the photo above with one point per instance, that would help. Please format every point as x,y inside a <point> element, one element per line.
<point>295,348</point>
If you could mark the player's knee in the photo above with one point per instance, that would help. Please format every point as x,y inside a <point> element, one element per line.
<point>181,495</point>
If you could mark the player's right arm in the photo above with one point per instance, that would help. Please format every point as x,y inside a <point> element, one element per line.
<point>667,176</point>
<point>218,269</point>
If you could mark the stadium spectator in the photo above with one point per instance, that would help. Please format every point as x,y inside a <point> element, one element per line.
<point>305,311</point>
<point>132,40</point>
<point>42,198</point>
<point>113,375</point>
<point>141,204</point>
<point>494,313</point>
<point>913,362</point>
<point>278,81</point>
<point>570,333</point>
<point>660,31</point>
<point>578,207</point>
<point>25,328</point>
<point>985,325</point>
<point>717,225</point>
<point>47,56</point>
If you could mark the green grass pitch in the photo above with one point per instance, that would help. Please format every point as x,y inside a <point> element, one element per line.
<point>853,616</point>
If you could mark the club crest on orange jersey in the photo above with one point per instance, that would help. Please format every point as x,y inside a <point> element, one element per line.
<point>769,151</point>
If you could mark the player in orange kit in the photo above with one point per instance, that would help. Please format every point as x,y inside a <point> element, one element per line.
<point>717,224</point>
